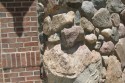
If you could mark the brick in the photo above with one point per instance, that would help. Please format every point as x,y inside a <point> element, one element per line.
<point>28,58</point>
<point>23,60</point>
<point>34,19</point>
<point>13,60</point>
<point>7,20</point>
<point>32,9</point>
<point>3,25</point>
<point>2,15</point>
<point>18,70</point>
<point>1,80</point>
<point>26,73</point>
<point>6,9</point>
<point>5,45</point>
<point>13,4</point>
<point>8,40</point>
<point>37,58</point>
<point>10,75</point>
<point>18,59</point>
<point>35,39</point>
<point>30,14</point>
<point>24,19</point>
<point>4,35</point>
<point>37,73</point>
<point>7,80</point>
<point>21,9</point>
<point>15,14</point>
<point>31,34</point>
<point>30,24</point>
<point>33,78</point>
<point>26,4</point>
<point>16,45</point>
<point>18,79</point>
<point>26,39</point>
<point>9,61</point>
<point>33,58</point>
<point>34,29</point>
<point>6,30</point>
<point>32,68</point>
<point>9,50</point>
<point>31,44</point>
<point>2,5</point>
<point>1,75</point>
<point>38,81</point>
<point>24,49</point>
<point>35,48</point>
<point>27,82</point>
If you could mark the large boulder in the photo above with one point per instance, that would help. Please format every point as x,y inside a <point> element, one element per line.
<point>102,18</point>
<point>114,72</point>
<point>120,50</point>
<point>115,6</point>
<point>70,36</point>
<point>58,22</point>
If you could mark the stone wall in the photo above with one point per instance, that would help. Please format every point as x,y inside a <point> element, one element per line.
<point>19,52</point>
<point>82,41</point>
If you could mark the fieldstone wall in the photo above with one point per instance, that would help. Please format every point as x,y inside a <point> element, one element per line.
<point>82,41</point>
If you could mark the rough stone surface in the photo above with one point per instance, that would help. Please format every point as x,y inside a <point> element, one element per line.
<point>91,38</point>
<point>69,65</point>
<point>107,33</point>
<point>107,47</point>
<point>115,34</point>
<point>99,3</point>
<point>123,76</point>
<point>71,36</point>
<point>75,1</point>
<point>123,16</point>
<point>97,31</point>
<point>103,73</point>
<point>88,9</point>
<point>121,30</point>
<point>102,18</point>
<point>115,19</point>
<point>86,24</point>
<point>100,38</point>
<point>115,6</point>
<point>54,38</point>
<point>77,18</point>
<point>120,50</point>
<point>92,73</point>
<point>98,45</point>
<point>114,72</point>
<point>58,22</point>
<point>105,60</point>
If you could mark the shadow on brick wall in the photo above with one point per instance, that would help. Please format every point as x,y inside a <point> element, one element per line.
<point>17,9</point>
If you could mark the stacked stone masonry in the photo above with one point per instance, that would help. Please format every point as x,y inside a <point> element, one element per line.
<point>82,41</point>
<point>19,44</point>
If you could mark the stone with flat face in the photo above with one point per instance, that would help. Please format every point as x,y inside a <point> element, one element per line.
<point>102,19</point>
<point>121,30</point>
<point>115,19</point>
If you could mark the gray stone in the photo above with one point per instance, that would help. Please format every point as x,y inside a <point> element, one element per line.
<point>105,60</point>
<point>123,75</point>
<point>107,47</point>
<point>88,9</point>
<point>100,38</point>
<point>91,74</point>
<point>115,19</point>
<point>123,16</point>
<point>86,25</point>
<point>98,45</point>
<point>40,7</point>
<point>102,19</point>
<point>68,63</point>
<point>107,33</point>
<point>54,38</point>
<point>97,31</point>
<point>115,34</point>
<point>121,30</point>
<point>71,36</point>
<point>77,18</point>
<point>115,6</point>
<point>103,73</point>
<point>99,3</point>
<point>120,50</point>
<point>91,38</point>
<point>58,22</point>
<point>114,72</point>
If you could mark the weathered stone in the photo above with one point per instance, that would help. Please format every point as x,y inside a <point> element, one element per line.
<point>107,47</point>
<point>115,34</point>
<point>121,30</point>
<point>123,16</point>
<point>99,3</point>
<point>102,18</point>
<point>120,50</point>
<point>88,9</point>
<point>114,72</point>
<point>105,60</point>
<point>115,6</point>
<point>123,76</point>
<point>68,63</point>
<point>98,45</point>
<point>77,18</point>
<point>100,38</point>
<point>91,38</point>
<point>54,38</point>
<point>103,73</point>
<point>97,31</point>
<point>40,7</point>
<point>58,22</point>
<point>107,33</point>
<point>115,19</point>
<point>91,74</point>
<point>71,36</point>
<point>86,24</point>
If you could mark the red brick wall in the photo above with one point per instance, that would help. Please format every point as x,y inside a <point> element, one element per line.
<point>20,56</point>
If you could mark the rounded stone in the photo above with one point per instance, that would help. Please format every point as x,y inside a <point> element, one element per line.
<point>88,9</point>
<point>123,16</point>
<point>102,19</point>
<point>99,3</point>
<point>107,33</point>
<point>101,38</point>
<point>115,19</point>
<point>91,38</point>
<point>121,30</point>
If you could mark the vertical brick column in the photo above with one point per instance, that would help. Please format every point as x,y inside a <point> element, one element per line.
<point>19,40</point>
